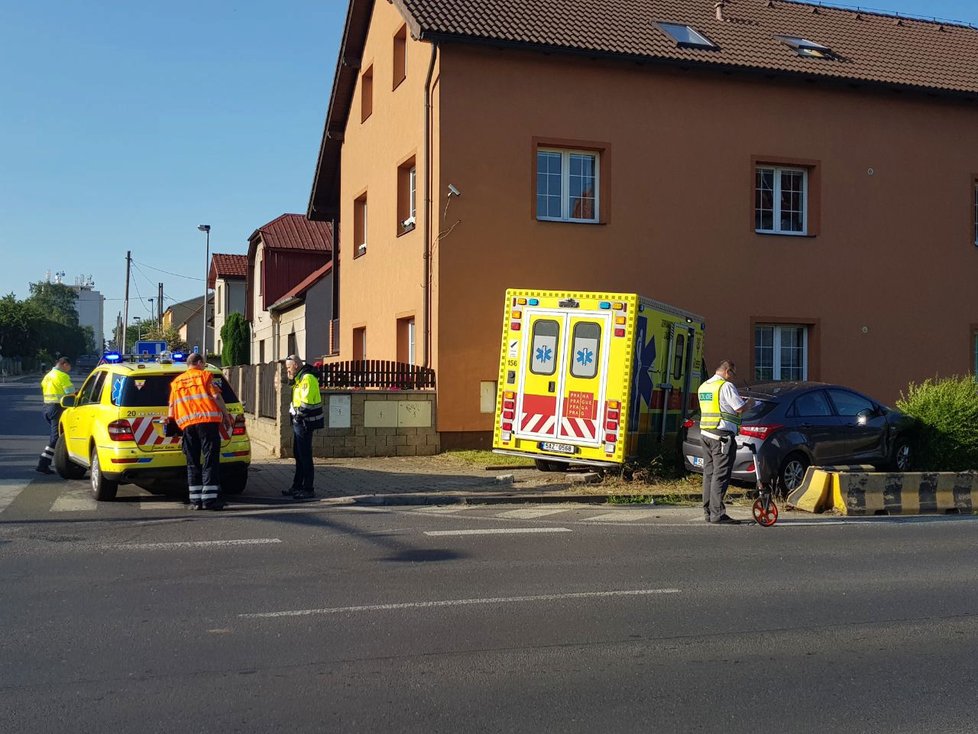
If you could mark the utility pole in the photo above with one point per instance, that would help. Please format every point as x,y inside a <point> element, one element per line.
<point>125,306</point>
<point>159,306</point>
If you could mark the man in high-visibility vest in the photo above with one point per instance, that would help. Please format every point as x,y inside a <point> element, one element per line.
<point>54,385</point>
<point>198,409</point>
<point>306,414</point>
<point>720,408</point>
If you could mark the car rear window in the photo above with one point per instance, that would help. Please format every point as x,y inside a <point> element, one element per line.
<point>153,391</point>
<point>758,410</point>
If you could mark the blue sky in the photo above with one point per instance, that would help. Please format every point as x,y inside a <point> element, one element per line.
<point>124,125</point>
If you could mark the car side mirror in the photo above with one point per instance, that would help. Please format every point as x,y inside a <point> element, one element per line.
<point>863,416</point>
<point>68,401</point>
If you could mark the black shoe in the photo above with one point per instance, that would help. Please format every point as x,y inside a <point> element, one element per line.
<point>304,495</point>
<point>290,491</point>
<point>44,470</point>
<point>214,506</point>
<point>726,520</point>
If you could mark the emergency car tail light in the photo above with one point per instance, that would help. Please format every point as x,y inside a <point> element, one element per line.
<point>760,432</point>
<point>619,332</point>
<point>689,423</point>
<point>611,425</point>
<point>121,431</point>
<point>514,325</point>
<point>506,425</point>
<point>239,426</point>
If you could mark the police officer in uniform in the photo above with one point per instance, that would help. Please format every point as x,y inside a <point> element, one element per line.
<point>306,414</point>
<point>720,409</point>
<point>54,385</point>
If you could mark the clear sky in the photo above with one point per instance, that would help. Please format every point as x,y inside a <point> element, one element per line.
<point>125,124</point>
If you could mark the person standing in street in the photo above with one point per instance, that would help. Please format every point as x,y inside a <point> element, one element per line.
<point>720,409</point>
<point>54,386</point>
<point>306,414</point>
<point>198,409</point>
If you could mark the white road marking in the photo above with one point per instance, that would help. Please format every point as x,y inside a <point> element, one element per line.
<point>530,514</point>
<point>459,603</point>
<point>624,516</point>
<point>75,500</point>
<point>498,531</point>
<point>442,510</point>
<point>161,505</point>
<point>9,489</point>
<point>190,544</point>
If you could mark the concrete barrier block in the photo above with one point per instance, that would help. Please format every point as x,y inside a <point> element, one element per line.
<point>814,494</point>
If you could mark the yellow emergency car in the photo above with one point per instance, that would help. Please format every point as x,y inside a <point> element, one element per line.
<point>593,378</point>
<point>113,428</point>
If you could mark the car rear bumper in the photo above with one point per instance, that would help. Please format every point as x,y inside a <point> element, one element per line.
<point>134,472</point>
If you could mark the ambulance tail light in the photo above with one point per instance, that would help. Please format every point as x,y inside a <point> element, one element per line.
<point>121,430</point>
<point>761,432</point>
<point>619,332</point>
<point>688,423</point>
<point>239,426</point>
<point>611,426</point>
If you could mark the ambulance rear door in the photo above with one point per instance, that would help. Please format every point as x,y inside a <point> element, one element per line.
<point>563,378</point>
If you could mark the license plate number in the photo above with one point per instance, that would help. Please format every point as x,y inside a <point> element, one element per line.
<point>558,448</point>
<point>696,461</point>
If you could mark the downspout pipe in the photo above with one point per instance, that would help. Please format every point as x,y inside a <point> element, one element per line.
<point>426,282</point>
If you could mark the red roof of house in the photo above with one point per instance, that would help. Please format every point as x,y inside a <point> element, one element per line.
<point>295,232</point>
<point>314,277</point>
<point>229,266</point>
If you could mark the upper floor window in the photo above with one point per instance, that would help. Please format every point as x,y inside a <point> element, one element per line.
<point>780,352</point>
<point>400,56</point>
<point>568,185</point>
<point>366,93</point>
<point>806,48</point>
<point>686,36</point>
<point>781,200</point>
<point>407,196</point>
<point>360,225</point>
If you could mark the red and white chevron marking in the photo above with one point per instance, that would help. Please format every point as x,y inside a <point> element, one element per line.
<point>149,433</point>
<point>537,423</point>
<point>578,428</point>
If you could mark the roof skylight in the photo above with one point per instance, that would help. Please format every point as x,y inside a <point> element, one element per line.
<point>685,36</point>
<point>807,48</point>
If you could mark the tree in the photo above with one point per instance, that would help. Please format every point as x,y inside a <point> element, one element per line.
<point>56,301</point>
<point>236,338</point>
<point>19,327</point>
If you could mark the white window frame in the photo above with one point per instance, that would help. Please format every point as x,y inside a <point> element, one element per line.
<point>413,192</point>
<point>776,349</point>
<point>565,200</point>
<point>776,200</point>
<point>410,325</point>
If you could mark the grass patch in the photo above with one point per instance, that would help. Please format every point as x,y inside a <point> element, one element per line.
<point>486,458</point>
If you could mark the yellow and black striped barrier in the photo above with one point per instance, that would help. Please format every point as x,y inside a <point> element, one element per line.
<point>854,491</point>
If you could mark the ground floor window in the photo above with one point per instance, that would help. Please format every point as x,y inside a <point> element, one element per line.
<point>780,352</point>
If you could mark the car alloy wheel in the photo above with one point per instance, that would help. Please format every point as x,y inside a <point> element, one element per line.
<point>793,473</point>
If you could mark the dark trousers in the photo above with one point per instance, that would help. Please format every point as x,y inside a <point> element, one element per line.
<point>52,414</point>
<point>202,447</point>
<point>718,461</point>
<point>302,450</point>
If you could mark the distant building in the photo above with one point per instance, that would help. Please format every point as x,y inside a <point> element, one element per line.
<point>187,318</point>
<point>91,310</point>
<point>228,278</point>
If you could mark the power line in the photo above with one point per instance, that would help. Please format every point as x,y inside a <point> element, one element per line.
<point>178,275</point>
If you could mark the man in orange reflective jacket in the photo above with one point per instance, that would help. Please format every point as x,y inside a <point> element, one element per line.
<point>198,409</point>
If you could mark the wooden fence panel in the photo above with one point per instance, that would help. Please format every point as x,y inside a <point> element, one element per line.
<point>376,373</point>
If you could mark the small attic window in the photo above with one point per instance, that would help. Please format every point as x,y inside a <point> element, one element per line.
<point>808,49</point>
<point>685,36</point>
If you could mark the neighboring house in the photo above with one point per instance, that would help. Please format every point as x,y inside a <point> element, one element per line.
<point>299,318</point>
<point>187,318</point>
<point>805,177</point>
<point>282,256</point>
<point>91,310</point>
<point>228,277</point>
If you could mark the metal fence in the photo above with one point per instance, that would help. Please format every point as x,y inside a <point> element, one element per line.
<point>376,373</point>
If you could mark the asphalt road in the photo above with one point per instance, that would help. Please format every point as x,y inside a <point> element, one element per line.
<point>502,618</point>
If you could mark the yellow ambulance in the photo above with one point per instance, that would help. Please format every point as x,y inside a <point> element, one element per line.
<point>593,378</point>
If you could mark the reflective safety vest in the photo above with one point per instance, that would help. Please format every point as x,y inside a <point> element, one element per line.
<point>307,401</point>
<point>710,413</point>
<point>55,385</point>
<point>193,398</point>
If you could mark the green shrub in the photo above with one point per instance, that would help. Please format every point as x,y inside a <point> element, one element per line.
<point>947,414</point>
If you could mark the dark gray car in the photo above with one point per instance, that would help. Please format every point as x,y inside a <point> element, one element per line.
<point>794,425</point>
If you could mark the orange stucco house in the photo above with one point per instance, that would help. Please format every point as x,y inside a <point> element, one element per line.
<point>804,177</point>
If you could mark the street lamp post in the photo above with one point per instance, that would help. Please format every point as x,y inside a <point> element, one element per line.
<point>206,229</point>
<point>139,327</point>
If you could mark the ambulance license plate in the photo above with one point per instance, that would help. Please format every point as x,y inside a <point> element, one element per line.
<point>696,461</point>
<point>558,448</point>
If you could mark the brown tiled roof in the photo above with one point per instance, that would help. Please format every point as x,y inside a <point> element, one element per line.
<point>295,232</point>
<point>872,47</point>
<point>229,266</point>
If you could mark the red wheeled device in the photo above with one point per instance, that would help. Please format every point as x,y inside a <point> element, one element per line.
<point>765,510</point>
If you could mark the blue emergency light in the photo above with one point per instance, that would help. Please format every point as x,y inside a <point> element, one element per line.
<point>112,357</point>
<point>179,357</point>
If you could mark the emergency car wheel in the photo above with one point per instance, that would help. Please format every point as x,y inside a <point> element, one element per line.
<point>901,456</point>
<point>103,489</point>
<point>66,468</point>
<point>234,479</point>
